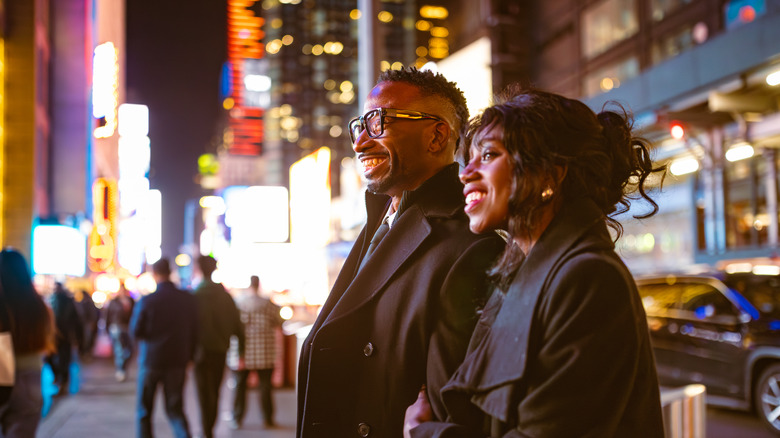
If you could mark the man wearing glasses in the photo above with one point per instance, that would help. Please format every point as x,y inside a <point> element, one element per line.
<point>402,310</point>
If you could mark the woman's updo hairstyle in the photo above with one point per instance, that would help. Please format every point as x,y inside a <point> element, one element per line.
<point>544,133</point>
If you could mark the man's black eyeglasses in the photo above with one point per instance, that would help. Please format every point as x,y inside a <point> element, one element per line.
<point>374,121</point>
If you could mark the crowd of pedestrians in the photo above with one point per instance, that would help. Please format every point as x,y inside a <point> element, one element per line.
<point>169,331</point>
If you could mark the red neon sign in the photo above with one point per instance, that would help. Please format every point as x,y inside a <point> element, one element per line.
<point>244,42</point>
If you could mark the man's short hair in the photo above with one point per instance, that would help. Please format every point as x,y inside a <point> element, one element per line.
<point>433,84</point>
<point>162,267</point>
<point>207,265</point>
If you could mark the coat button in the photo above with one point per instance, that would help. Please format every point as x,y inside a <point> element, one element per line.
<point>368,350</point>
<point>364,430</point>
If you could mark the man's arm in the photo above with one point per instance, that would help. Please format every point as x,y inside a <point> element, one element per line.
<point>464,290</point>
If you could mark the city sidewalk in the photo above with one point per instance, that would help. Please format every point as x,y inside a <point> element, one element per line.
<point>102,407</point>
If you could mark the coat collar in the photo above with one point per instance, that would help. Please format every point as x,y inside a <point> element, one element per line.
<point>500,357</point>
<point>440,196</point>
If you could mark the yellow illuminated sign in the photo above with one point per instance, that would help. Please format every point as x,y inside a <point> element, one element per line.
<point>2,140</point>
<point>101,244</point>
<point>310,200</point>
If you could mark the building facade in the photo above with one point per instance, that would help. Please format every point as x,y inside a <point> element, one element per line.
<point>705,66</point>
<point>53,145</point>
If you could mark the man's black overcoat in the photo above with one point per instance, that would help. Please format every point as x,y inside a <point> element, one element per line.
<point>402,321</point>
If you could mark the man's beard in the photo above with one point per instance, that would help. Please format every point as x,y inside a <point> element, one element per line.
<point>381,185</point>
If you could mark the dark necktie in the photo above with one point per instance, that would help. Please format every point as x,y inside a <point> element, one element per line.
<point>378,236</point>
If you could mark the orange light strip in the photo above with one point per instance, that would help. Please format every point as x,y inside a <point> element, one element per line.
<point>244,42</point>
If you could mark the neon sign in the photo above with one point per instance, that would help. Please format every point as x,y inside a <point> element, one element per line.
<point>101,243</point>
<point>244,43</point>
<point>105,82</point>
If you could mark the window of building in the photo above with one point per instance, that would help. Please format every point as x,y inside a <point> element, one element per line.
<point>609,77</point>
<point>672,45</point>
<point>662,8</point>
<point>606,24</point>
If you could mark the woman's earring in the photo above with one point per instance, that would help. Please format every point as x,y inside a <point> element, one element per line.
<point>547,194</point>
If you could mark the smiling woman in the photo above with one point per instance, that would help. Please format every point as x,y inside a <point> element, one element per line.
<point>564,335</point>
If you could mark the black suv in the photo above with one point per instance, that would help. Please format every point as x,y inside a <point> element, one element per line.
<point>720,329</point>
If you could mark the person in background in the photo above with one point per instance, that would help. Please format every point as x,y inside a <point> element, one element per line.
<point>89,315</point>
<point>165,326</point>
<point>261,321</point>
<point>24,313</point>
<point>401,312</point>
<point>118,314</point>
<point>562,348</point>
<point>218,320</point>
<point>70,333</point>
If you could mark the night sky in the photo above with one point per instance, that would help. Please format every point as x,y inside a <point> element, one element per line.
<point>175,50</point>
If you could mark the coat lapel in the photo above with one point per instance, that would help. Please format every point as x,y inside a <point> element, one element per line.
<point>404,237</point>
<point>498,361</point>
<point>440,196</point>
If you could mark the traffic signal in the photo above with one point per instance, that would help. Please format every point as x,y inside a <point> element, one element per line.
<point>677,130</point>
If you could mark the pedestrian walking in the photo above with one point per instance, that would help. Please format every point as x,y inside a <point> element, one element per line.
<point>165,326</point>
<point>403,307</point>
<point>261,321</point>
<point>25,315</point>
<point>89,315</point>
<point>70,334</point>
<point>218,320</point>
<point>118,314</point>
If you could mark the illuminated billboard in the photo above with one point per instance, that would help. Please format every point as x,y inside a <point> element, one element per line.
<point>59,250</point>
<point>310,201</point>
<point>105,85</point>
<point>244,48</point>
<point>257,214</point>
<point>469,67</point>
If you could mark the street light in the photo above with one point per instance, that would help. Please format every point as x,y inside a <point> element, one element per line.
<point>773,78</point>
<point>677,131</point>
<point>683,166</point>
<point>739,151</point>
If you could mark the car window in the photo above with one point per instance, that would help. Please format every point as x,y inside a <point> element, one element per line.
<point>703,301</point>
<point>763,292</point>
<point>659,298</point>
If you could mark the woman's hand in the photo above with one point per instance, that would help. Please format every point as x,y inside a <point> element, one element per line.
<point>419,412</point>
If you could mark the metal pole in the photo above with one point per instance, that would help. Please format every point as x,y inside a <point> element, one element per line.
<point>770,179</point>
<point>369,48</point>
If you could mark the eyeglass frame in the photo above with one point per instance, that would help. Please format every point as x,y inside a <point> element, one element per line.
<point>387,112</point>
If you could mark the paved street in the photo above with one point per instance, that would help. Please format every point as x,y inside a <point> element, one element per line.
<point>104,408</point>
<point>725,423</point>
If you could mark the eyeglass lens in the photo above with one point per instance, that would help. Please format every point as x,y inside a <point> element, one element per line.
<point>372,121</point>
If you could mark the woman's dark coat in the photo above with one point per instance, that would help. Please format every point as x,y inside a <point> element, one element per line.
<point>404,320</point>
<point>565,352</point>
